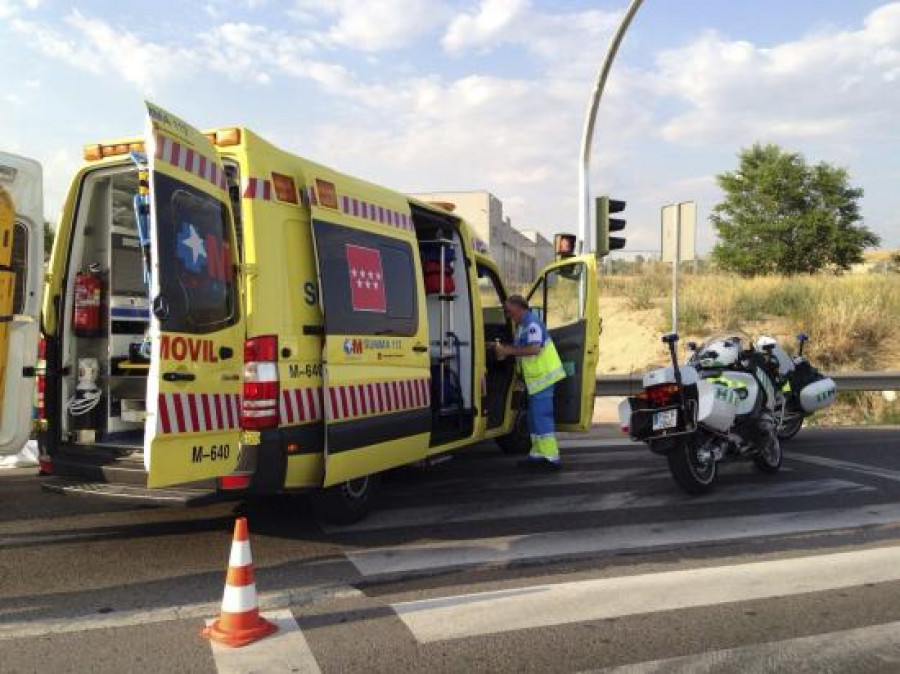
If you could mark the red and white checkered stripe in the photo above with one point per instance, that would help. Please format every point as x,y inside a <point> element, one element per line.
<point>257,188</point>
<point>174,153</point>
<point>301,405</point>
<point>357,400</point>
<point>374,213</point>
<point>198,412</point>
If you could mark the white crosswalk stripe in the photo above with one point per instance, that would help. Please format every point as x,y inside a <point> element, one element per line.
<point>414,557</point>
<point>874,648</point>
<point>557,604</point>
<point>286,651</point>
<point>591,503</point>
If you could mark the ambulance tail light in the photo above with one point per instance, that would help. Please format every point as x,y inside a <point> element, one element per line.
<point>259,406</point>
<point>232,482</point>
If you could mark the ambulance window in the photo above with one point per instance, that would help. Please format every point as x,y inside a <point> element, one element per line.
<point>564,295</point>
<point>491,298</point>
<point>195,259</point>
<point>19,264</point>
<point>368,282</point>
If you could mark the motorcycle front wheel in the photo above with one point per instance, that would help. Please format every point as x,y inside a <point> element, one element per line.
<point>692,465</point>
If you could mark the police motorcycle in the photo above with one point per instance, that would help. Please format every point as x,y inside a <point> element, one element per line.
<point>802,389</point>
<point>721,406</point>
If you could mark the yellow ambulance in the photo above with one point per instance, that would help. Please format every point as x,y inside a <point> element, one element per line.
<point>224,317</point>
<point>21,283</point>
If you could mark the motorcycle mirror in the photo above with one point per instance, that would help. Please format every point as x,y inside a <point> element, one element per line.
<point>802,337</point>
<point>691,346</point>
<point>670,338</point>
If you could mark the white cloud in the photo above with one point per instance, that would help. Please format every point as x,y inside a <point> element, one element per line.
<point>373,25</point>
<point>10,8</point>
<point>95,46</point>
<point>485,27</point>
<point>836,82</point>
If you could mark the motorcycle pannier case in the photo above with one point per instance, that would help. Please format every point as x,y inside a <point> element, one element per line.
<point>717,405</point>
<point>818,395</point>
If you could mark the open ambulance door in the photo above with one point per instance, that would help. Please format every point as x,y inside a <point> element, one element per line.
<point>566,298</point>
<point>196,326</point>
<point>21,285</point>
<point>377,389</point>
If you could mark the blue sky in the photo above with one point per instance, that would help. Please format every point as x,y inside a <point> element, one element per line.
<point>426,95</point>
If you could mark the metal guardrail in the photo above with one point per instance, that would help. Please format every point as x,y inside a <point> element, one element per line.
<point>625,384</point>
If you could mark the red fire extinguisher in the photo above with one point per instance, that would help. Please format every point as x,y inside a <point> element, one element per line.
<point>86,314</point>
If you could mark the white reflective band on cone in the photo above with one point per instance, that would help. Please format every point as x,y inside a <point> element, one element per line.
<point>239,599</point>
<point>240,554</point>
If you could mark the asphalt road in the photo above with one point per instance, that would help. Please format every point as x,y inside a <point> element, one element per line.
<point>473,565</point>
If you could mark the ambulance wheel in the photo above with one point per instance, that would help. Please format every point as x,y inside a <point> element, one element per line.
<point>348,502</point>
<point>518,440</point>
<point>692,465</point>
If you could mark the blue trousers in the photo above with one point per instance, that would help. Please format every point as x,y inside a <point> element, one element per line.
<point>542,426</point>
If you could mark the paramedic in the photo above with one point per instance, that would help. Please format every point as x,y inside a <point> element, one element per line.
<point>541,369</point>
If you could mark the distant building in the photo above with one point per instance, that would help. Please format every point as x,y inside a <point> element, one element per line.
<point>520,255</point>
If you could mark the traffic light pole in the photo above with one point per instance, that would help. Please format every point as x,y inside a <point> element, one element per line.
<point>584,192</point>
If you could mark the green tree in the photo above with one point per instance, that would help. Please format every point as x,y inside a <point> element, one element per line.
<point>781,215</point>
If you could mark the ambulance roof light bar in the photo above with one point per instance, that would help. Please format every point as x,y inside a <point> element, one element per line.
<point>226,137</point>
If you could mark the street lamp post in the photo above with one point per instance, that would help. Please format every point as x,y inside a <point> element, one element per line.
<point>584,192</point>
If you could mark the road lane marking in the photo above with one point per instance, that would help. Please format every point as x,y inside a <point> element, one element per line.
<point>93,621</point>
<point>428,557</point>
<point>483,613</point>
<point>285,651</point>
<point>566,504</point>
<point>875,471</point>
<point>874,648</point>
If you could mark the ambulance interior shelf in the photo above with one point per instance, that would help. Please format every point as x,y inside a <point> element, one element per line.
<point>448,303</point>
<point>106,350</point>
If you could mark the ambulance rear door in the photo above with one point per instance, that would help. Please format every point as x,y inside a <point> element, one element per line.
<point>197,326</point>
<point>566,298</point>
<point>21,286</point>
<point>377,390</point>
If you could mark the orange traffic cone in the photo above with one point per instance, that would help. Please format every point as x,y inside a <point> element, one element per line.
<point>240,623</point>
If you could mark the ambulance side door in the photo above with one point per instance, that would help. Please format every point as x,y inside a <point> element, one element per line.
<point>21,286</point>
<point>566,298</point>
<point>197,325</point>
<point>377,389</point>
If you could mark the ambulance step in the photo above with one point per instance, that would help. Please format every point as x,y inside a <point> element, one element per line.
<point>90,469</point>
<point>130,494</point>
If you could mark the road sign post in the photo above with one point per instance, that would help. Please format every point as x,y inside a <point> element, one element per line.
<point>678,232</point>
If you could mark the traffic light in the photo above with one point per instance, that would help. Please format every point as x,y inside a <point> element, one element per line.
<point>564,245</point>
<point>606,224</point>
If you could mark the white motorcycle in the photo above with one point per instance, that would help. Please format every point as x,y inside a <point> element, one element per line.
<point>803,388</point>
<point>727,403</point>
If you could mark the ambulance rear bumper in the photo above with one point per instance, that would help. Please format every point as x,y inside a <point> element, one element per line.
<point>125,493</point>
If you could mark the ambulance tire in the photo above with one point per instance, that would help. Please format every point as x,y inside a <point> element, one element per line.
<point>518,440</point>
<point>348,502</point>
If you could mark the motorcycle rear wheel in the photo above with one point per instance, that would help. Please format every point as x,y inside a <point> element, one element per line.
<point>790,428</point>
<point>769,460</point>
<point>692,475</point>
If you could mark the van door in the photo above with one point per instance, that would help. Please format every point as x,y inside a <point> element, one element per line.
<point>566,297</point>
<point>21,286</point>
<point>377,389</point>
<point>196,327</point>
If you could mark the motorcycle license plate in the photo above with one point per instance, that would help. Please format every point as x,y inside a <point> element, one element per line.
<point>665,419</point>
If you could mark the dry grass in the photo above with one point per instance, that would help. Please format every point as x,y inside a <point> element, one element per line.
<point>851,320</point>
